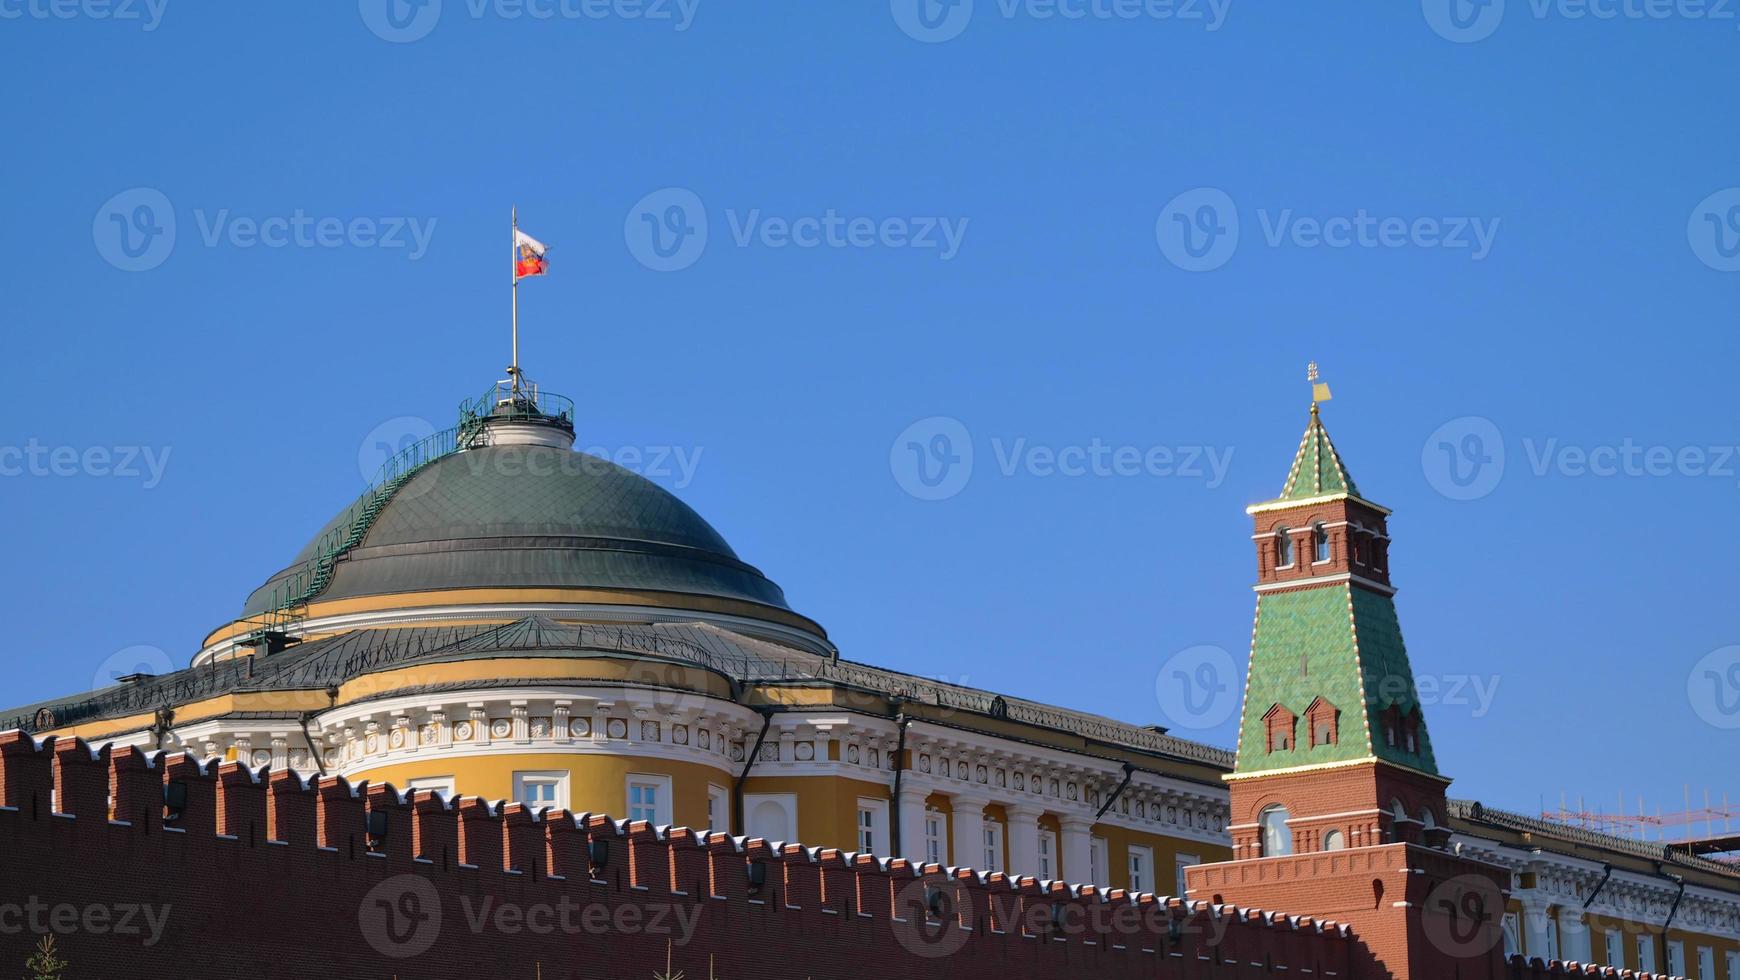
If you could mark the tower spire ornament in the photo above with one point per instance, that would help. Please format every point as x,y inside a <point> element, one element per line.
<point>1319,389</point>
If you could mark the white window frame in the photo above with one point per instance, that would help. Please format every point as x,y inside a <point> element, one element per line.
<point>660,785</point>
<point>936,828</point>
<point>1733,959</point>
<point>1047,855</point>
<point>558,778</point>
<point>440,784</point>
<point>1511,925</point>
<point>1179,863</point>
<point>1676,964</point>
<point>1140,864</point>
<point>718,808</point>
<point>876,828</point>
<point>1099,861</point>
<point>993,849</point>
<point>1615,948</point>
<point>1706,963</point>
<point>1646,952</point>
<point>1552,938</point>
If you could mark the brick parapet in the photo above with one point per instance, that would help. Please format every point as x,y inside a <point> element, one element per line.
<point>269,874</point>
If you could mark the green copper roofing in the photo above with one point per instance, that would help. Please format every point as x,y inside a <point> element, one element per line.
<point>1343,644</point>
<point>1317,468</point>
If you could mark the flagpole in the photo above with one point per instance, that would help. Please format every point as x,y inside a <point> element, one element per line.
<point>513,253</point>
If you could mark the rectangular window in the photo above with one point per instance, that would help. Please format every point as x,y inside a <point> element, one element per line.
<point>1646,953</point>
<point>1706,963</point>
<point>1552,939</point>
<point>440,784</point>
<point>1048,856</point>
<point>933,837</point>
<point>1097,861</point>
<point>1181,862</point>
<point>993,847</point>
<point>542,790</point>
<point>1733,966</point>
<point>1141,869</point>
<point>1615,948</point>
<point>649,798</point>
<point>718,809</point>
<point>1676,964</point>
<point>873,837</point>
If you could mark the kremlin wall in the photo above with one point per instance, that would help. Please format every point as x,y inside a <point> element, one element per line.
<point>253,873</point>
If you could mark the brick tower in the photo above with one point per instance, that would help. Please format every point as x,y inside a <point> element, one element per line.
<point>1338,809</point>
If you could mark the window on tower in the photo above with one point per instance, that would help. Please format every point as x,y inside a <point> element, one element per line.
<point>1319,544</point>
<point>1323,721</point>
<point>1283,547</point>
<point>1279,725</point>
<point>1277,839</point>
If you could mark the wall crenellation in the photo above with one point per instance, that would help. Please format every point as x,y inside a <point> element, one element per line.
<point>227,844</point>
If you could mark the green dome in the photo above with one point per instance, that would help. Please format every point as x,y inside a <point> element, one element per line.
<point>528,517</point>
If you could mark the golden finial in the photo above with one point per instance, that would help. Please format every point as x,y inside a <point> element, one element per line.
<point>1319,390</point>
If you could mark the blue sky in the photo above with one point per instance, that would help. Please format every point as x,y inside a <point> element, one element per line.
<point>1510,233</point>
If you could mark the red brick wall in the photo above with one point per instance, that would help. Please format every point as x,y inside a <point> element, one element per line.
<point>273,876</point>
<point>1344,513</point>
<point>1356,800</point>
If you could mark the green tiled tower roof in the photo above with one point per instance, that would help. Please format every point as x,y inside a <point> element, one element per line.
<point>1317,468</point>
<point>1340,643</point>
<point>1333,639</point>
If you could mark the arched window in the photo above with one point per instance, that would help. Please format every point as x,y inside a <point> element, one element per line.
<point>1319,543</point>
<point>1279,725</point>
<point>1322,721</point>
<point>1277,839</point>
<point>1392,726</point>
<point>1283,547</point>
<point>1411,730</point>
<point>1333,841</point>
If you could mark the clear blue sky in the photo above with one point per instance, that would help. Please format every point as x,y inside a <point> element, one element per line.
<point>1071,149</point>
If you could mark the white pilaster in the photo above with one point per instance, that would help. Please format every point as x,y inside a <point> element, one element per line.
<point>911,816</point>
<point>1023,838</point>
<point>1077,846</point>
<point>969,830</point>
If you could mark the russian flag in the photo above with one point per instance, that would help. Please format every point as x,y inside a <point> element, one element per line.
<point>528,256</point>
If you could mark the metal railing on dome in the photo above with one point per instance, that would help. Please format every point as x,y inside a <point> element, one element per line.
<point>295,589</point>
<point>526,401</point>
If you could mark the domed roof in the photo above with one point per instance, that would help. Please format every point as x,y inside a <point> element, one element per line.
<point>526,517</point>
